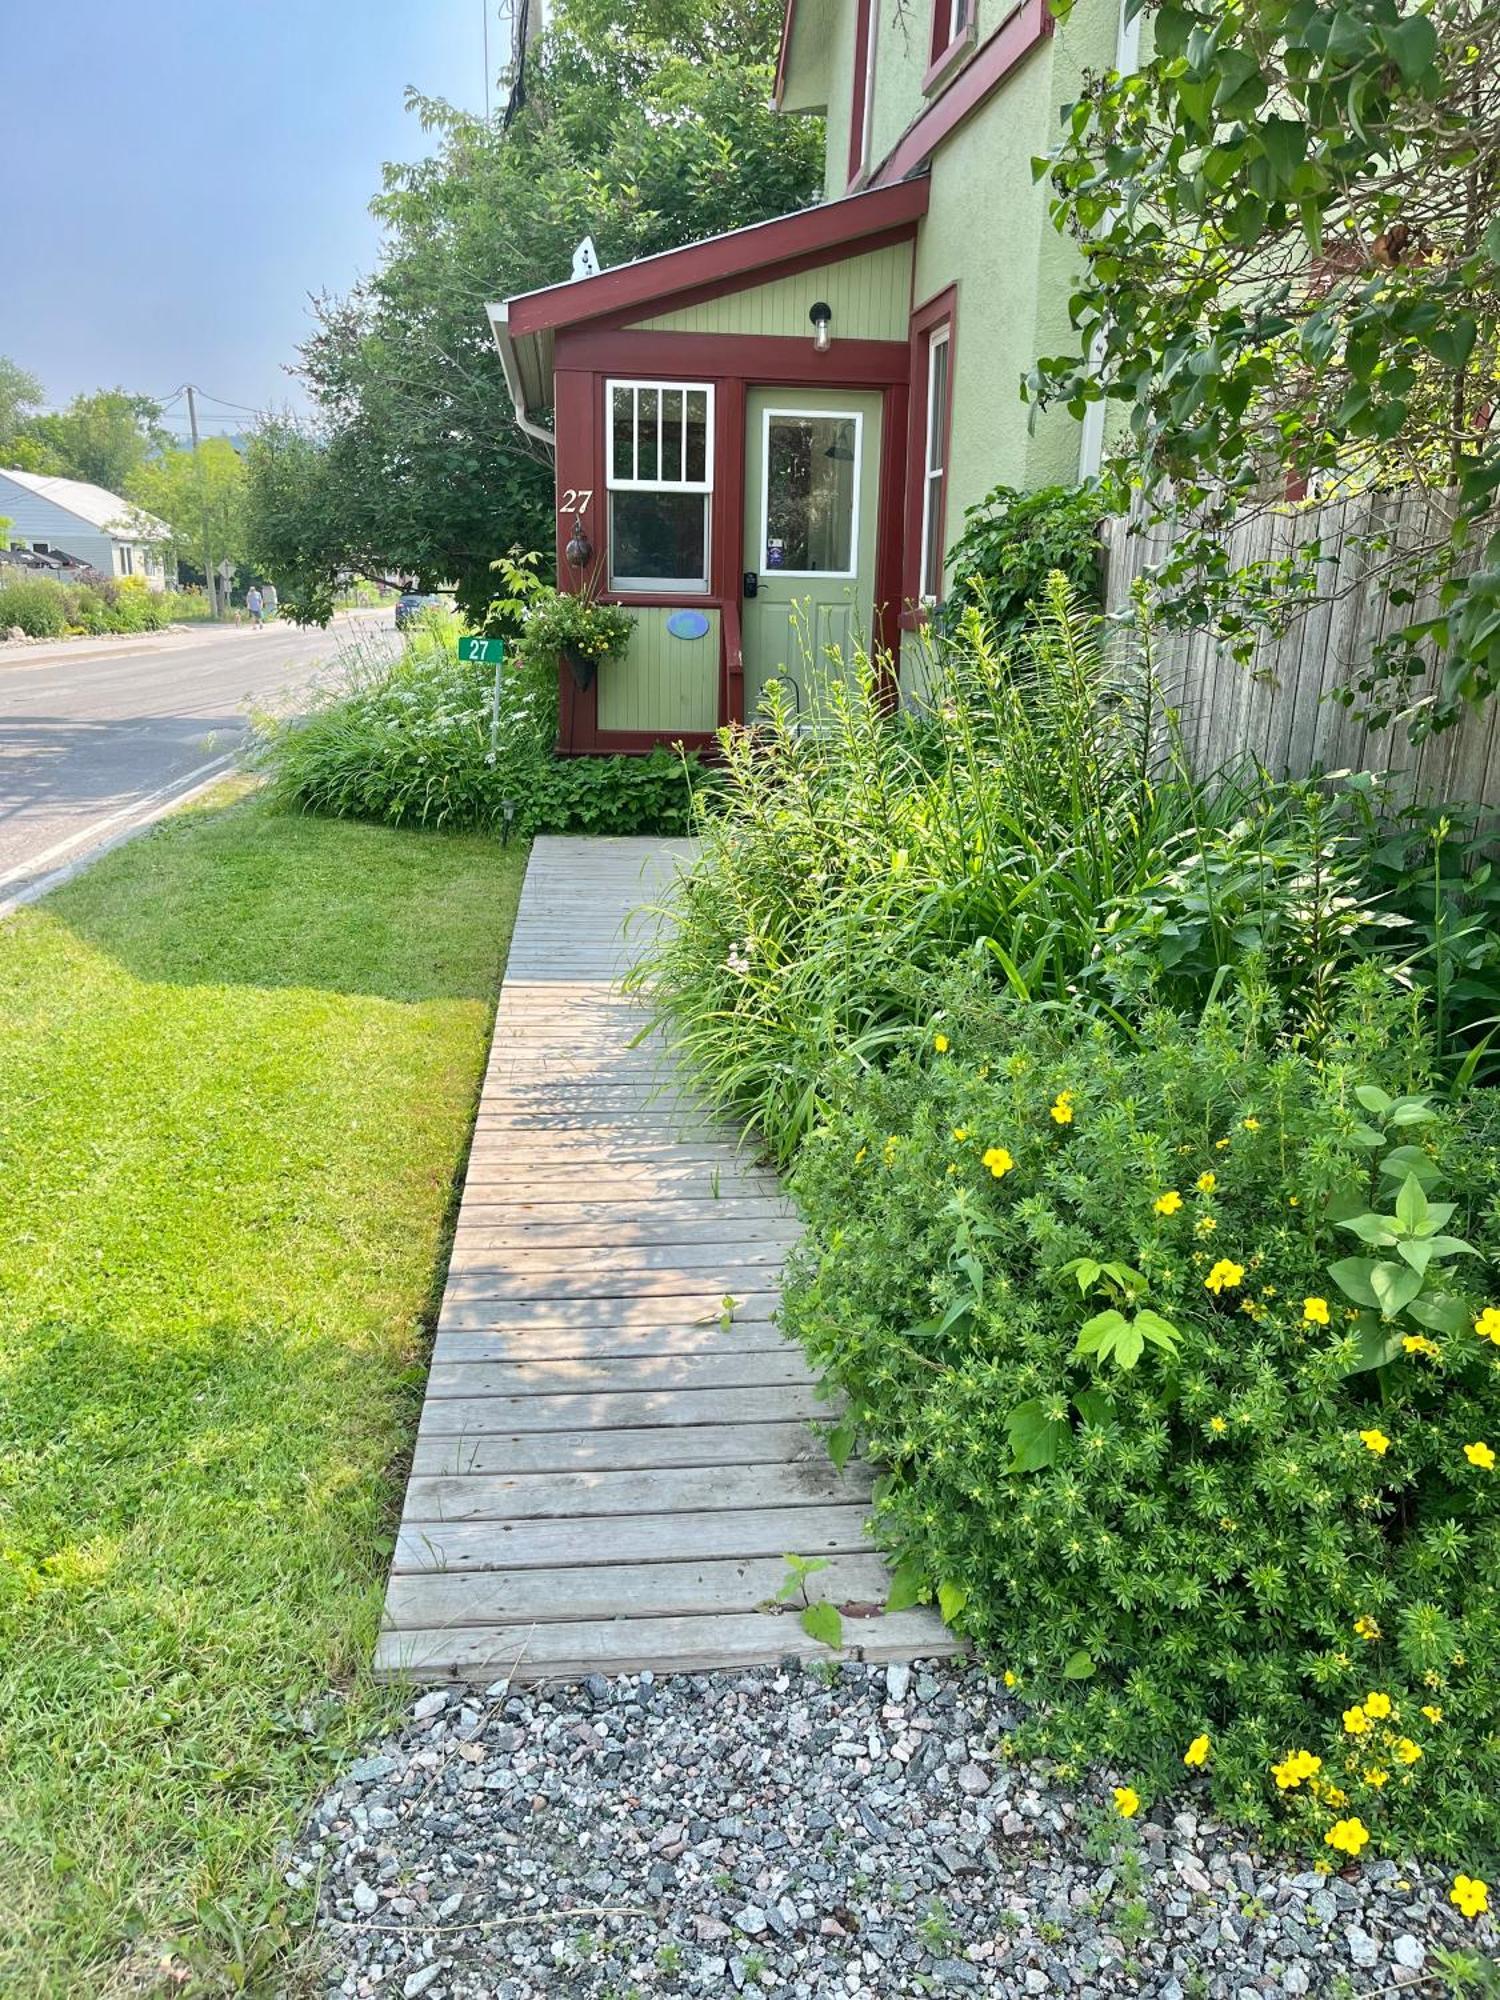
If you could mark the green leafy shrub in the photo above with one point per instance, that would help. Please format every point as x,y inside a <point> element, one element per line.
<point>1012,543</point>
<point>558,622</point>
<point>417,742</point>
<point>35,606</point>
<point>1037,815</point>
<point>1182,1365</point>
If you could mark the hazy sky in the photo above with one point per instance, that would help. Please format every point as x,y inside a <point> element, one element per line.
<point>178,175</point>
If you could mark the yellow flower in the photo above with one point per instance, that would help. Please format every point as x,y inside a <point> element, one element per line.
<point>1366,1628</point>
<point>1315,1312</point>
<point>891,1148</point>
<point>1487,1326</point>
<point>1294,1201</point>
<point>1168,1203</point>
<point>1218,1426</point>
<point>1470,1895</point>
<point>1348,1836</point>
<point>1197,1752</point>
<point>1375,1441</point>
<point>1205,1225</point>
<point>960,1133</point>
<point>1408,1751</point>
<point>860,1154</point>
<point>1220,1144</point>
<point>998,1161</point>
<point>1206,1183</point>
<point>1356,1722</point>
<point>1480,1455</point>
<point>1062,1110</point>
<point>1127,1801</point>
<point>1224,1276</point>
<point>1418,1343</point>
<point>1433,1712</point>
<point>1294,1767</point>
<point>1332,1795</point>
<point>1377,1706</point>
<point>940,1043</point>
<point>1251,1124</point>
<point>1376,1779</point>
<point>1011,1680</point>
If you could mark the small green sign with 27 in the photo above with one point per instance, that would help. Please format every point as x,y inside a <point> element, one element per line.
<point>484,652</point>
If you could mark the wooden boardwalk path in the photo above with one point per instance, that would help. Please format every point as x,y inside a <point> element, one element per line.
<point>608,1476</point>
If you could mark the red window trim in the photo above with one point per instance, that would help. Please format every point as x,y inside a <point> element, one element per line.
<point>864,28</point>
<point>946,52</point>
<point>992,61</point>
<point>939,311</point>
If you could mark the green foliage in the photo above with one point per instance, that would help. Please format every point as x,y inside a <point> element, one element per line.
<point>1182,1544</point>
<point>46,609</point>
<point>418,742</point>
<point>104,438</point>
<point>201,497</point>
<point>1036,818</point>
<point>561,622</point>
<point>1012,542</point>
<point>648,130</point>
<point>20,393</point>
<point>36,606</point>
<point>1292,273</point>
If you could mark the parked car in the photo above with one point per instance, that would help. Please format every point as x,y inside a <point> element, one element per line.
<point>411,603</point>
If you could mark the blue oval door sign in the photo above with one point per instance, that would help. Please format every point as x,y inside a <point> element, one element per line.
<point>687,624</point>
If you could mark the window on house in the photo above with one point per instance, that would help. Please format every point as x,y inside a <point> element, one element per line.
<point>660,477</point>
<point>950,22</point>
<point>935,462</point>
<point>862,105</point>
<point>127,560</point>
<point>42,548</point>
<point>810,525</point>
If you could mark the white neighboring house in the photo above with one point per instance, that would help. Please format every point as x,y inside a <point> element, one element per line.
<point>70,517</point>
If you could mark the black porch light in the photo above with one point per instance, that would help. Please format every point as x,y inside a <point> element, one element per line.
<point>821,316</point>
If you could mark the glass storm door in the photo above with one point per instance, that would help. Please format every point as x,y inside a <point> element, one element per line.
<point>812,477</point>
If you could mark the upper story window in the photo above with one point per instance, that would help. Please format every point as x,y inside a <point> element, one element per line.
<point>935,460</point>
<point>952,32</point>
<point>862,101</point>
<point>660,458</point>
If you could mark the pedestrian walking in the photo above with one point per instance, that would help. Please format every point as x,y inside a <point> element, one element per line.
<point>270,601</point>
<point>255,604</point>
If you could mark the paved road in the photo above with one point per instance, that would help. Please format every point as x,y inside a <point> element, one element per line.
<point>96,735</point>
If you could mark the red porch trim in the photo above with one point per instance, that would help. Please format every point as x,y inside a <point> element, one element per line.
<point>783,54</point>
<point>940,310</point>
<point>991,63</point>
<point>864,27</point>
<point>848,364</point>
<point>895,452</point>
<point>762,247</point>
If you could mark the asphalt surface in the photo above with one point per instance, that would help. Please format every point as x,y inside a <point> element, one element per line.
<point>98,736</point>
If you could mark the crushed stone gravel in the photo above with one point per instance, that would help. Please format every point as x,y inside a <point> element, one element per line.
<point>844,1830</point>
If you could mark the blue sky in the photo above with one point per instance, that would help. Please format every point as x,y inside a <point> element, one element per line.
<point>180,174</point>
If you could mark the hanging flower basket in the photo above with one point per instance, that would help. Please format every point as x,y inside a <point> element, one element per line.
<point>577,630</point>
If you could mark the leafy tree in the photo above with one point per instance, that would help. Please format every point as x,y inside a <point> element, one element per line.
<point>104,438</point>
<point>20,393</point>
<point>647,127</point>
<point>201,497</point>
<point>1292,282</point>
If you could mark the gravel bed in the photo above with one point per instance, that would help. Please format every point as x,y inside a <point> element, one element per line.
<point>843,1831</point>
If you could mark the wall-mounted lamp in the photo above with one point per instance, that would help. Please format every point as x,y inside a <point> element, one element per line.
<point>821,316</point>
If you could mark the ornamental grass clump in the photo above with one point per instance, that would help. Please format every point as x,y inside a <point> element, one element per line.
<point>1124,1319</point>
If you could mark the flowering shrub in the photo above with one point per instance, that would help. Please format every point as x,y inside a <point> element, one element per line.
<point>1182,1353</point>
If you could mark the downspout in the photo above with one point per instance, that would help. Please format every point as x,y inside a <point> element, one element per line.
<point>500,328</point>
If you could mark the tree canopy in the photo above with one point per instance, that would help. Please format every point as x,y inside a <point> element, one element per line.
<point>1291,282</point>
<point>646,126</point>
<point>200,494</point>
<point>104,438</point>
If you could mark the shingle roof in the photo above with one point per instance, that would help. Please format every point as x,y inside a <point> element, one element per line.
<point>101,509</point>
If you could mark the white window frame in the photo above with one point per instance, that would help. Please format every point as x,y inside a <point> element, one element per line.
<point>940,336</point>
<point>795,410</point>
<point>958,18</point>
<point>658,586</point>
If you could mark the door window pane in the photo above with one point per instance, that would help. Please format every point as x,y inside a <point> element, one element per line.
<point>812,484</point>
<point>658,540</point>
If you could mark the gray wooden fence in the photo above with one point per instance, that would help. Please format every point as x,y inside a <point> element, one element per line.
<point>1278,706</point>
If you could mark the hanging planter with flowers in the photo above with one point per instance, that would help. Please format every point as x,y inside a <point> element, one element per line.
<point>576,629</point>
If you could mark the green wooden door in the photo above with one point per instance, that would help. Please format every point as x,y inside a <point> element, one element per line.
<point>812,477</point>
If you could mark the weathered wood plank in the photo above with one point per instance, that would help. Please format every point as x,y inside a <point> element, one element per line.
<point>760,1368</point>
<point>555,1496</point>
<point>697,1308</point>
<point>623,1590</point>
<point>654,1230</point>
<point>562,1343</point>
<point>832,1529</point>
<point>457,1416</point>
<point>718,1444</point>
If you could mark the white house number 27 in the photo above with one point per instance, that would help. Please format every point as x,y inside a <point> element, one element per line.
<point>576,500</point>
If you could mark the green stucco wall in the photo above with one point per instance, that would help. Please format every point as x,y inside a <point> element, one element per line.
<point>662,684</point>
<point>870,296</point>
<point>840,75</point>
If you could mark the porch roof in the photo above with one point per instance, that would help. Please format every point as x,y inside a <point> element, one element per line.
<point>524,326</point>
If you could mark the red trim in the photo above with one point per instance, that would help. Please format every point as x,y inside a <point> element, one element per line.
<point>788,267</point>
<point>992,62</point>
<point>947,62</point>
<point>596,742</point>
<point>848,364</point>
<point>783,54</point>
<point>941,310</point>
<point>764,246</point>
<point>863,28</point>
<point>890,510</point>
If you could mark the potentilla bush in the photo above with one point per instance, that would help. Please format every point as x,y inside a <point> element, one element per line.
<point>1182,1354</point>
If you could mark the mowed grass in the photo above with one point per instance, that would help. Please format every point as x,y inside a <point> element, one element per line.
<point>238,1063</point>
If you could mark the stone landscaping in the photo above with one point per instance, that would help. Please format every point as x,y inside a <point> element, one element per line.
<point>826,1830</point>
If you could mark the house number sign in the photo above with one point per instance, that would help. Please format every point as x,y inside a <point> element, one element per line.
<point>576,500</point>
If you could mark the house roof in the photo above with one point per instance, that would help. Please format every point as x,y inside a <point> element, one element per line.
<point>93,504</point>
<point>524,326</point>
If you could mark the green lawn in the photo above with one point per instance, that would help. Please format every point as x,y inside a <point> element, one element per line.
<point>238,1063</point>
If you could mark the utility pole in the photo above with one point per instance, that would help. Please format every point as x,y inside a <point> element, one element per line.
<point>208,557</point>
